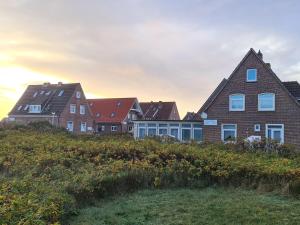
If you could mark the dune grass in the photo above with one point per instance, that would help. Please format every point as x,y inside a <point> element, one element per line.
<point>190,207</point>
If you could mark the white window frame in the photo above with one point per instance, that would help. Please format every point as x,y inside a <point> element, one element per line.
<point>70,122</point>
<point>35,108</point>
<point>73,108</point>
<point>82,109</point>
<point>230,102</point>
<point>259,102</point>
<point>78,94</point>
<point>257,127</point>
<point>114,128</point>
<point>222,130</point>
<point>83,128</point>
<point>281,129</point>
<point>247,78</point>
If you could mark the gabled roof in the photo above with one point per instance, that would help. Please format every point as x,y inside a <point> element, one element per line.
<point>192,116</point>
<point>111,110</point>
<point>294,88</point>
<point>157,110</point>
<point>46,95</point>
<point>221,86</point>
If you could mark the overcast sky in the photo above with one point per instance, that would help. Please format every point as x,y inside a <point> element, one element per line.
<point>154,50</point>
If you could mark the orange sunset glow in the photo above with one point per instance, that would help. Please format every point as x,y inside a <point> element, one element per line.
<point>175,51</point>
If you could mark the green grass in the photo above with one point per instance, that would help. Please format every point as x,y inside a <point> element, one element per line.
<point>190,207</point>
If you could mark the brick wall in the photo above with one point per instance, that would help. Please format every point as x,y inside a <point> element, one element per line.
<point>286,112</point>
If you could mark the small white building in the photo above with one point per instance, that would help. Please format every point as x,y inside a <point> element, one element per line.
<point>184,131</point>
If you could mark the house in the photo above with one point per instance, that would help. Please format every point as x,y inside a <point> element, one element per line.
<point>63,105</point>
<point>115,115</point>
<point>162,119</point>
<point>192,116</point>
<point>253,103</point>
<point>160,110</point>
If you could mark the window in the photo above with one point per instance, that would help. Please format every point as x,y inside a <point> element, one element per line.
<point>229,132</point>
<point>151,131</point>
<point>34,108</point>
<point>257,127</point>
<point>70,126</point>
<point>174,132</point>
<point>61,93</point>
<point>275,132</point>
<point>251,75</point>
<point>113,114</point>
<point>35,94</point>
<point>266,102</point>
<point>73,108</point>
<point>82,109</point>
<point>130,128</point>
<point>163,131</point>
<point>78,94</point>
<point>198,135</point>
<point>119,104</point>
<point>26,107</point>
<point>142,130</point>
<point>48,93</point>
<point>42,92</point>
<point>83,127</point>
<point>101,128</point>
<point>113,128</point>
<point>237,102</point>
<point>98,115</point>
<point>186,134</point>
<point>20,107</point>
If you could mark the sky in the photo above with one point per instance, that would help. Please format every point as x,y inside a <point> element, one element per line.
<point>169,50</point>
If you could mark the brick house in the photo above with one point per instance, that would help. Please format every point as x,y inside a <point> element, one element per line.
<point>115,115</point>
<point>253,103</point>
<point>63,105</point>
<point>160,110</point>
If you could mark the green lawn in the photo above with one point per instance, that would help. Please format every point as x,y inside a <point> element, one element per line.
<point>191,206</point>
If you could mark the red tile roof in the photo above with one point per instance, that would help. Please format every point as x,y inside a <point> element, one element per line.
<point>111,110</point>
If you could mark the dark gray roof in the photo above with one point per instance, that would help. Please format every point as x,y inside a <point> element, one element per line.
<point>294,88</point>
<point>46,95</point>
<point>157,110</point>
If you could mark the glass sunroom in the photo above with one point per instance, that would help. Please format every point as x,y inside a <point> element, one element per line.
<point>184,131</point>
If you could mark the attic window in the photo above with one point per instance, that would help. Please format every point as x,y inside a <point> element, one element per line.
<point>35,94</point>
<point>119,104</point>
<point>42,92</point>
<point>78,94</point>
<point>26,107</point>
<point>251,75</point>
<point>61,93</point>
<point>113,114</point>
<point>98,115</point>
<point>48,93</point>
<point>20,107</point>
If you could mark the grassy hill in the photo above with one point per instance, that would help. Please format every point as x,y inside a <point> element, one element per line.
<point>45,175</point>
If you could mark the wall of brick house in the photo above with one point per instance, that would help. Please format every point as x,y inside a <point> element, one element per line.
<point>287,112</point>
<point>107,128</point>
<point>77,118</point>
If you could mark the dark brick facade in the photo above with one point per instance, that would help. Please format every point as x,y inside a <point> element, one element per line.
<point>287,110</point>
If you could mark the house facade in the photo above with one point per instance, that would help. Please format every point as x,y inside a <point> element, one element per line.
<point>160,110</point>
<point>62,105</point>
<point>253,103</point>
<point>115,115</point>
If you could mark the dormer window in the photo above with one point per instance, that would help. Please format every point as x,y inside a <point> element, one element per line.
<point>42,92</point>
<point>237,102</point>
<point>98,115</point>
<point>35,94</point>
<point>113,114</point>
<point>251,75</point>
<point>26,107</point>
<point>119,104</point>
<point>60,93</point>
<point>48,93</point>
<point>35,109</point>
<point>78,94</point>
<point>20,107</point>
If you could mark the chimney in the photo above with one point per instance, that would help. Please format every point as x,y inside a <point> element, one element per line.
<point>59,83</point>
<point>259,54</point>
<point>46,84</point>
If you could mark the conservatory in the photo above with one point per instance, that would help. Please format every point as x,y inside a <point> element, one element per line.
<point>183,131</point>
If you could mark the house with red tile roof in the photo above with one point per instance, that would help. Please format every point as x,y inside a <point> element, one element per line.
<point>160,110</point>
<point>114,115</point>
